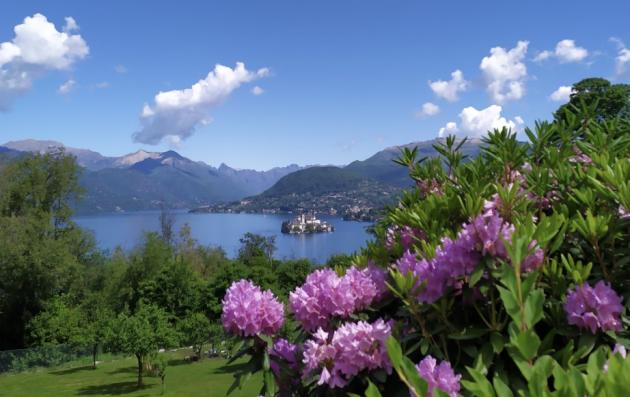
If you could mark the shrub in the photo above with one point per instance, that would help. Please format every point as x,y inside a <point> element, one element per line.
<point>506,275</point>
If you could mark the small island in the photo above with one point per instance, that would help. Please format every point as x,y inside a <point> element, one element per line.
<point>306,224</point>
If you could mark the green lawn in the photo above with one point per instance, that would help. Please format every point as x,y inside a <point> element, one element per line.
<point>210,377</point>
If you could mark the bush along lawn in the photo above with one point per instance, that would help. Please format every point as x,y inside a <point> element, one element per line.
<point>503,275</point>
<point>209,377</point>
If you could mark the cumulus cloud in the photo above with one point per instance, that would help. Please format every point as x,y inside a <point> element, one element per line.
<point>102,85</point>
<point>428,109</point>
<point>449,89</point>
<point>476,123</point>
<point>66,87</point>
<point>562,94</point>
<point>178,113</point>
<point>120,69</point>
<point>36,48</point>
<point>566,51</point>
<point>257,91</point>
<point>622,60</point>
<point>505,72</point>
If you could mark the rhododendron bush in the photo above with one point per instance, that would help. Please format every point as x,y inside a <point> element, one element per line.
<point>502,275</point>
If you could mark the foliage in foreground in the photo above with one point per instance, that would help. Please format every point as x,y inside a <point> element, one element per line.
<point>506,275</point>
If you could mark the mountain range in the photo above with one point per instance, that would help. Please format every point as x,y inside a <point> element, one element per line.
<point>148,180</point>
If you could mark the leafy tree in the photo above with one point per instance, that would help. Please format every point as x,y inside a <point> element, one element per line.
<point>195,330</point>
<point>291,274</point>
<point>609,100</point>
<point>85,325</point>
<point>142,334</point>
<point>42,252</point>
<point>58,323</point>
<point>175,288</point>
<point>145,263</point>
<point>256,246</point>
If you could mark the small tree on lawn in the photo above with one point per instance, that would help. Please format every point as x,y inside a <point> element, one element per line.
<point>142,334</point>
<point>195,330</point>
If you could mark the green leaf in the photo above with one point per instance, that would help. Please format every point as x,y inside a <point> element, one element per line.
<point>501,388</point>
<point>481,387</point>
<point>534,308</point>
<point>497,341</point>
<point>527,343</point>
<point>476,275</point>
<point>372,391</point>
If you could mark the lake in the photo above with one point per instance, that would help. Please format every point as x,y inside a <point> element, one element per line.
<point>126,230</point>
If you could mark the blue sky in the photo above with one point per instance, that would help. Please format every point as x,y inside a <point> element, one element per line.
<point>340,80</point>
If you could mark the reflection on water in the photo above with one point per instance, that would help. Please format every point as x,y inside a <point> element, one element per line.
<point>224,230</point>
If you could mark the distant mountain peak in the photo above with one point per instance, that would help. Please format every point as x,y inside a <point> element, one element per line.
<point>173,154</point>
<point>33,145</point>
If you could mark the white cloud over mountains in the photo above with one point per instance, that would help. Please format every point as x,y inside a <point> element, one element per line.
<point>449,90</point>
<point>476,123</point>
<point>566,51</point>
<point>36,48</point>
<point>505,72</point>
<point>176,114</point>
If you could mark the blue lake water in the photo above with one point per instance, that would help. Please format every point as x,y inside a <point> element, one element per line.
<point>126,230</point>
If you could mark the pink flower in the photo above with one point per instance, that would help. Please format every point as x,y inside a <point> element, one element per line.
<point>248,311</point>
<point>594,308</point>
<point>439,376</point>
<point>352,348</point>
<point>325,294</point>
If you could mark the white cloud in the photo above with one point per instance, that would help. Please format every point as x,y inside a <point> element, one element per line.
<point>102,85</point>
<point>622,61</point>
<point>543,56</point>
<point>36,48</point>
<point>66,87</point>
<point>449,129</point>
<point>505,72</point>
<point>562,94</point>
<point>120,69</point>
<point>566,51</point>
<point>257,91</point>
<point>428,109</point>
<point>476,123</point>
<point>449,89</point>
<point>179,112</point>
<point>70,25</point>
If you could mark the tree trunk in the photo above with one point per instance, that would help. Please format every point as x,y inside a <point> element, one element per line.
<point>140,369</point>
<point>94,351</point>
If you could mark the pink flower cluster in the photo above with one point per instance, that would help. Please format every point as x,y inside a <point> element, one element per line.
<point>352,348</point>
<point>286,353</point>
<point>456,258</point>
<point>325,294</point>
<point>439,376</point>
<point>249,311</point>
<point>594,308</point>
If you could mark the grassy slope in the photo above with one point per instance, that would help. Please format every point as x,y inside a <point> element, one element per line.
<point>210,377</point>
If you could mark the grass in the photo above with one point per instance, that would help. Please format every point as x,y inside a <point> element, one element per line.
<point>210,377</point>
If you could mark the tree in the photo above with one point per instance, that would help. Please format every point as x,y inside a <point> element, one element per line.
<point>256,246</point>
<point>42,252</point>
<point>610,100</point>
<point>84,325</point>
<point>195,330</point>
<point>142,334</point>
<point>167,223</point>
